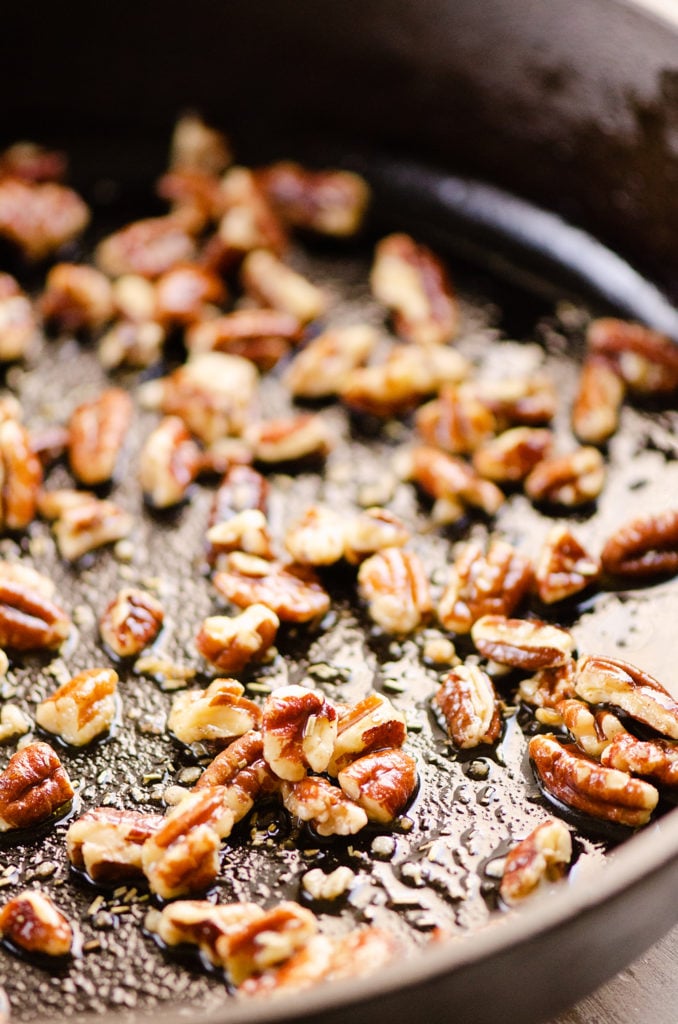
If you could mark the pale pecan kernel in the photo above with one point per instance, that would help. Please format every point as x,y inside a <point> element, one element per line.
<point>197,146</point>
<point>25,575</point>
<point>317,801</point>
<point>81,709</point>
<point>33,923</point>
<point>77,297</point>
<point>299,728</point>
<point>286,440</point>
<point>86,527</point>
<point>277,286</point>
<point>97,432</point>
<point>184,291</point>
<point>49,443</point>
<point>643,548</point>
<point>217,714</point>
<point>402,381</point>
<point>595,413</point>
<point>106,842</point>
<point>323,366</point>
<point>265,941</point>
<point>581,783</point>
<point>32,162</point>
<point>484,584</point>
<point>456,421</point>
<point>654,759</point>
<point>242,773</point>
<point>29,619</point>
<point>317,538</point>
<point>146,247</point>
<point>200,923</point>
<point>327,202</point>
<point>564,567</point>
<point>452,481</point>
<point>230,644</point>
<point>131,622</point>
<point>321,887</point>
<point>293,592</point>
<point>395,587</point>
<point>134,298</point>
<point>10,406</point>
<point>522,643</point>
<point>601,680</point>
<point>53,504</point>
<point>569,480</point>
<point>20,477</point>
<point>242,488</point>
<point>168,463</point>
<point>261,335</point>
<point>592,732</point>
<point>223,454</point>
<point>40,217</point>
<point>549,686</point>
<point>13,721</point>
<point>412,282</point>
<point>212,393</point>
<point>245,531</point>
<point>469,707</point>
<point>646,360</point>
<point>371,724</point>
<point>133,344</point>
<point>381,782</point>
<point>249,222</point>
<point>371,531</point>
<point>33,787</point>
<point>543,856</point>
<point>512,455</point>
<point>531,401</point>
<point>18,328</point>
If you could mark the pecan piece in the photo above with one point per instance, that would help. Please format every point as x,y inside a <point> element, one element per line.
<point>249,222</point>
<point>654,759</point>
<point>543,856</point>
<point>200,923</point>
<point>241,489</point>
<point>245,531</point>
<point>317,801</point>
<point>146,247</point>
<point>97,432</point>
<point>29,620</point>
<point>602,680</point>
<point>381,782</point>
<point>168,463</point>
<point>133,344</point>
<point>564,566</point>
<point>371,531</point>
<point>412,282</point>
<point>76,297</point>
<point>184,293</point>
<point>106,842</point>
<point>32,162</point>
<point>217,714</point>
<point>452,484</point>
<point>549,686</point>
<point>457,421</point>
<point>32,922</point>
<point>371,724</point>
<point>212,393</point>
<point>40,217</point>
<point>20,477</point>
<point>92,525</point>
<point>289,439</point>
<point>299,728</point>
<point>581,783</point>
<point>484,584</point>
<point>323,366</point>
<point>293,592</point>
<point>511,456</point>
<point>81,709</point>
<point>277,286</point>
<point>531,401</point>
<point>261,335</point>
<point>522,643</point>
<point>595,413</point>
<point>53,504</point>
<point>265,941</point>
<point>18,328</point>
<point>646,360</point>
<point>131,622</point>
<point>395,587</point>
<point>592,732</point>
<point>317,538</point>
<point>469,707</point>
<point>243,774</point>
<point>197,146</point>
<point>326,202</point>
<point>402,381</point>
<point>568,480</point>
<point>643,548</point>
<point>230,644</point>
<point>34,787</point>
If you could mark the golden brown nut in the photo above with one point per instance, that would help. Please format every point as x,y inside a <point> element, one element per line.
<point>29,619</point>
<point>248,222</point>
<point>129,343</point>
<point>569,480</point>
<point>212,393</point>
<point>32,162</point>
<point>592,732</point>
<point>261,335</point>
<point>53,504</point>
<point>32,922</point>
<point>293,592</point>
<point>469,706</point>
<point>244,531</point>
<point>131,622</point>
<point>81,709</point>
<point>92,525</point>
<point>243,488</point>
<point>549,686</point>
<point>232,643</point>
<point>18,328</point>
<point>77,297</point>
<point>286,440</point>
<point>608,681</point>
<point>522,643</point>
<point>106,842</point>
<point>512,455</point>
<point>323,366</point>
<point>265,941</point>
<point>299,728</point>
<point>457,421</point>
<point>403,380</point>
<point>452,483</point>
<point>40,217</point>
<point>183,293</point>
<point>327,202</point>
<point>381,782</point>
<point>595,413</point>
<point>217,714</point>
<point>33,787</point>
<point>654,759</point>
<point>197,146</point>
<point>531,401</point>
<point>315,800</point>
<point>200,923</point>
<point>646,360</point>
<point>20,477</point>
<point>273,284</point>
<point>97,432</point>
<point>168,463</point>
<point>242,773</point>
<point>317,538</point>
<point>372,530</point>
<point>147,247</point>
<point>543,856</point>
<point>644,547</point>
<point>564,566</point>
<point>371,724</point>
<point>484,584</point>
<point>395,587</point>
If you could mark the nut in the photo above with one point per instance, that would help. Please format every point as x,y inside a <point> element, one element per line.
<point>595,413</point>
<point>411,281</point>
<point>33,923</point>
<point>242,488</point>
<point>322,887</point>
<point>324,365</point>
<point>212,393</point>
<point>581,783</point>
<point>275,285</point>
<point>18,329</point>
<point>317,801</point>
<point>564,566</point>
<point>106,842</point>
<point>372,530</point>
<point>198,147</point>
<point>261,335</point>
<point>85,527</point>
<point>53,504</point>
<point>34,787</point>
<point>244,531</point>
<point>20,477</point>
<point>81,709</point>
<point>13,722</point>
<point>128,343</point>
<point>146,247</point>
<point>299,729</point>
<point>230,644</point>
<point>168,463</point>
<point>29,619</point>
<point>543,856</point>
<point>522,643</point>
<point>451,482</point>
<point>134,298</point>
<point>40,217</point>
<point>395,587</point>
<point>200,923</point>
<point>97,434</point>
<point>49,444</point>
<point>646,360</point>
<point>248,223</point>
<point>31,162</point>
<point>77,297</point>
<point>217,714</point>
<point>286,440</point>
<point>531,401</point>
<point>549,686</point>
<point>469,707</point>
<point>262,942</point>
<point>381,782</point>
<point>183,293</point>
<point>606,681</point>
<point>655,759</point>
<point>327,202</point>
<point>243,774</point>
<point>293,592</point>
<point>371,724</point>
<point>407,376</point>
<point>644,547</point>
<point>568,480</point>
<point>484,584</point>
<point>591,732</point>
<point>457,421</point>
<point>224,453</point>
<point>317,538</point>
<point>131,622</point>
<point>18,572</point>
<point>511,456</point>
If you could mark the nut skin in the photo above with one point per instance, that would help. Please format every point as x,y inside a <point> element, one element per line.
<point>299,728</point>
<point>33,787</point>
<point>326,202</point>
<point>39,217</point>
<point>484,584</point>
<point>77,297</point>
<point>543,856</point>
<point>469,707</point>
<point>147,247</point>
<point>97,432</point>
<point>34,924</point>
<point>217,714</point>
<point>644,548</point>
<point>653,759</point>
<point>82,709</point>
<point>646,360</point>
<point>595,413</point>
<point>231,644</point>
<point>276,286</point>
<point>371,724</point>
<point>528,644</point>
<point>513,454</point>
<point>592,732</point>
<point>106,842</point>
<point>20,477</point>
<point>583,784</point>
<point>168,463</point>
<point>263,336</point>
<point>243,774</point>
<point>395,587</point>
<point>325,363</point>
<point>131,622</point>
<point>88,526</point>
<point>381,782</point>
<point>567,480</point>
<point>201,923</point>
<point>601,680</point>
<point>564,567</point>
<point>262,942</point>
<point>292,592</point>
<point>29,619</point>
<point>315,800</point>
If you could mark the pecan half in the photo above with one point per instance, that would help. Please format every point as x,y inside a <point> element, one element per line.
<point>381,782</point>
<point>643,548</point>
<point>512,455</point>
<point>484,584</point>
<point>286,440</point>
<point>34,787</point>
<point>317,801</point>
<point>20,477</point>
<point>452,483</point>
<point>277,286</point>
<point>18,328</point>
<point>245,531</point>
<point>595,413</point>
<point>184,293</point>
<point>327,202</point>
<point>581,783</point>
<point>29,620</point>
<point>323,366</point>
<point>654,759</point>
<point>646,360</point>
<point>200,923</point>
<point>131,622</point>
<point>230,644</point>
<point>168,463</point>
<point>402,381</point>
<point>543,856</point>
<point>371,724</point>
<point>568,480</point>
<point>299,728</point>
<point>97,432</point>
<point>371,531</point>
<point>592,732</point>
<point>242,773</point>
<point>217,714</point>
<point>549,686</point>
<point>261,335</point>
<point>564,567</point>
<point>602,680</point>
<point>469,706</point>
<point>317,538</point>
<point>92,525</point>
<point>106,842</point>
<point>32,922</point>
<point>81,709</point>
<point>212,393</point>
<point>395,587</point>
<point>146,247</point>
<point>522,643</point>
<point>40,217</point>
<point>457,421</point>
<point>77,297</point>
<point>293,592</point>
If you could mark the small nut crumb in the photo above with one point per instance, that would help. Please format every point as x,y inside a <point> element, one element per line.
<point>327,887</point>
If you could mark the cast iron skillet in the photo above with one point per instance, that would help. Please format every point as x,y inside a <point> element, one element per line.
<point>567,104</point>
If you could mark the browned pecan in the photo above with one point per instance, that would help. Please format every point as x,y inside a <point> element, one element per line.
<point>33,787</point>
<point>654,759</point>
<point>452,482</point>
<point>18,328</point>
<point>646,360</point>
<point>29,619</point>
<point>134,298</point>
<point>194,195</point>
<point>318,537</point>
<point>39,218</point>
<point>53,504</point>
<point>106,842</point>
<point>168,463</point>
<point>327,202</point>
<point>261,335</point>
<point>412,282</point>
<point>371,531</point>
<point>457,421</point>
<point>85,527</point>
<point>20,476</point>
<point>395,587</point>
<point>522,643</point>
<point>381,782</point>
<point>403,380</point>
<point>32,162</point>
<point>644,547</point>
<point>595,413</point>
<point>131,621</point>
<point>131,343</point>
<point>77,297</point>
<point>531,401</point>
<point>217,714</point>
<point>275,285</point>
<point>18,572</point>
<point>230,644</point>
<point>224,453</point>
<point>592,732</point>
<point>564,566</point>
<point>242,772</point>
<point>264,941</point>
<point>549,686</point>
<point>242,488</point>
<point>293,592</point>
<point>200,923</point>
<point>212,393</point>
<point>245,531</point>
<point>146,247</point>
<point>569,480</point>
<point>290,438</point>
<point>49,444</point>
<point>81,709</point>
<point>323,366</point>
<point>371,724</point>
<point>317,801</point>
<point>484,584</point>
<point>32,922</point>
<point>299,728</point>
<point>197,146</point>
<point>512,455</point>
<point>469,706</point>
<point>581,783</point>
<point>184,291</point>
<point>543,856</point>
<point>97,433</point>
<point>249,222</point>
<point>601,680</point>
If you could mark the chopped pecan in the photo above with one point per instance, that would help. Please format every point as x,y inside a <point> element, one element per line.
<point>402,381</point>
<point>484,584</point>
<point>595,413</point>
<point>512,455</point>
<point>242,488</point>
<point>18,328</point>
<point>13,721</point>
<point>106,842</point>
<point>18,572</point>
<point>522,643</point>
<point>77,297</point>
<point>212,393</point>
<point>230,644</point>
<point>381,782</point>
<point>200,923</point>
<point>97,433</point>
<point>53,504</point>
<point>32,922</point>
<point>581,783</point>
<point>134,298</point>
<point>543,856</point>
<point>646,360</point>
<point>29,619</point>
<point>569,480</point>
<point>168,463</point>
<point>299,728</point>
<point>40,217</point>
<point>287,440</point>
<point>322,887</point>
<point>549,686</point>
<point>371,531</point>
<point>327,202</point>
<point>132,344</point>
<point>223,454</point>
<point>277,286</point>
<point>84,528</point>
<point>457,421</point>
<point>412,282</point>
<point>469,706</point>
<point>197,146</point>
<point>317,538</point>
<point>317,801</point>
<point>245,531</point>
<point>195,197</point>
<point>395,587</point>
<point>261,335</point>
<point>643,548</point>
<point>655,759</point>
<point>184,291</point>
<point>323,366</point>
<point>146,247</point>
<point>81,709</point>
<point>34,787</point>
<point>452,483</point>
<point>131,622</point>
<point>243,774</point>
<point>32,162</point>
<point>531,401</point>
<point>249,222</point>
<point>564,566</point>
<point>293,592</point>
<point>592,732</point>
<point>371,724</point>
<point>607,681</point>
<point>265,941</point>
<point>49,443</point>
<point>20,476</point>
<point>217,714</point>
